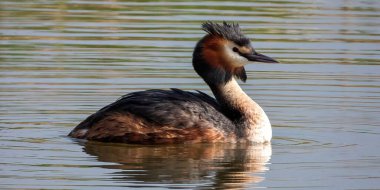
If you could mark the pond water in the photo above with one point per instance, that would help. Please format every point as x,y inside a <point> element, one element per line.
<point>63,60</point>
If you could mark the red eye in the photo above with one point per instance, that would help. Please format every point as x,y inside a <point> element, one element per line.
<point>235,49</point>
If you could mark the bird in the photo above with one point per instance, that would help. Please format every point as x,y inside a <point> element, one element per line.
<point>174,116</point>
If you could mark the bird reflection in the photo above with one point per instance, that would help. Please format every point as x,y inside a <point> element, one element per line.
<point>232,166</point>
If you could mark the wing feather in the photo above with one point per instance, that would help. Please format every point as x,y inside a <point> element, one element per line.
<point>174,107</point>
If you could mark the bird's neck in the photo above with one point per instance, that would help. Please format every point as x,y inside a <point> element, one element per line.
<point>252,123</point>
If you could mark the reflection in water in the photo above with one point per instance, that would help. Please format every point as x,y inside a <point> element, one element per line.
<point>215,165</point>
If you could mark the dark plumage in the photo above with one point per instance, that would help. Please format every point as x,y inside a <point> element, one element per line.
<point>173,107</point>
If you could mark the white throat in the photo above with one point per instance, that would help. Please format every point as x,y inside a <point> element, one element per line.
<point>258,128</point>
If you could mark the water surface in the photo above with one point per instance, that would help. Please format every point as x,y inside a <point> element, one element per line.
<point>63,60</point>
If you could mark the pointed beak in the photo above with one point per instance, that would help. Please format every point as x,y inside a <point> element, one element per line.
<point>257,57</point>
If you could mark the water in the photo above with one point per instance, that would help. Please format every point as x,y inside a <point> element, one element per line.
<point>62,60</point>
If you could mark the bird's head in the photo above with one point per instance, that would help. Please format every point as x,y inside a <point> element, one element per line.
<point>222,53</point>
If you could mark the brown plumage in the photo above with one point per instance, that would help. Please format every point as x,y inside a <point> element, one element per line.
<point>129,128</point>
<point>176,116</point>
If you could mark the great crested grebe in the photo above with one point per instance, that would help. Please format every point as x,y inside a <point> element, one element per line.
<point>176,116</point>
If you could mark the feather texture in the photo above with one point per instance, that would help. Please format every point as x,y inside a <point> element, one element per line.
<point>161,109</point>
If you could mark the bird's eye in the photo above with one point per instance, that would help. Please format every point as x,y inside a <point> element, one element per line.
<point>235,49</point>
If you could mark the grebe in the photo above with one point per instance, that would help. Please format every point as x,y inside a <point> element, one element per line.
<point>176,116</point>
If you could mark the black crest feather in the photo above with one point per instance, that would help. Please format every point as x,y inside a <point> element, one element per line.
<point>228,31</point>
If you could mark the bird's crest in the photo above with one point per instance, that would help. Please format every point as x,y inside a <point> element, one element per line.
<point>227,31</point>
